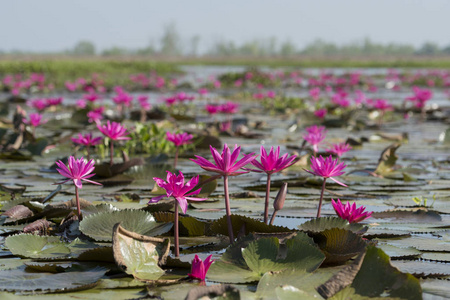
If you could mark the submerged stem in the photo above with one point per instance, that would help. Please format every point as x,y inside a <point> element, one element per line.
<point>78,203</point>
<point>176,158</point>
<point>176,235</point>
<point>321,197</point>
<point>227,207</point>
<point>111,152</point>
<point>266,204</point>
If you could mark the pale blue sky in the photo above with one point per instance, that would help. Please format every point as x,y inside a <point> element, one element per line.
<point>52,25</point>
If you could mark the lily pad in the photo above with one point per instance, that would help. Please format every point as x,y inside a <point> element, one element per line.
<point>139,255</point>
<point>99,226</point>
<point>266,255</point>
<point>34,246</point>
<point>339,245</point>
<point>248,224</point>
<point>19,281</point>
<point>324,223</point>
<point>387,160</point>
<point>385,280</point>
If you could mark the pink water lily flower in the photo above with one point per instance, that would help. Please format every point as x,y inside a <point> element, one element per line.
<point>200,268</point>
<point>116,132</point>
<point>175,187</point>
<point>35,119</point>
<point>87,140</point>
<point>321,113</point>
<point>226,163</point>
<point>113,130</point>
<point>271,163</point>
<point>339,149</point>
<point>315,138</point>
<point>179,139</point>
<point>78,170</point>
<point>327,168</point>
<point>350,212</point>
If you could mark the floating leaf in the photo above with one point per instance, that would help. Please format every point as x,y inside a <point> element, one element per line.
<point>339,245</point>
<point>249,224</point>
<point>139,255</point>
<point>400,252</point>
<point>423,269</point>
<point>324,223</point>
<point>266,255</point>
<point>19,281</point>
<point>99,226</point>
<point>35,246</point>
<point>387,160</point>
<point>410,216</point>
<point>378,278</point>
<point>189,226</point>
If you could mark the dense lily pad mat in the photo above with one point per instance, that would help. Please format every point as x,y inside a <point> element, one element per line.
<point>398,168</point>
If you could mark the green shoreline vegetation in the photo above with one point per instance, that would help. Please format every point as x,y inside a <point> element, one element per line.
<point>83,66</point>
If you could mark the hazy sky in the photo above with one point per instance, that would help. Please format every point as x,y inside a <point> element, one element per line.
<point>52,25</point>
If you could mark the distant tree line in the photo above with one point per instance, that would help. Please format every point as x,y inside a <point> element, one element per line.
<point>171,44</point>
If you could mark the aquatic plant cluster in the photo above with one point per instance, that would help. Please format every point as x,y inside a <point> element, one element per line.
<point>279,197</point>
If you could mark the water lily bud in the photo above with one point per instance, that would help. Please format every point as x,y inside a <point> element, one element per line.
<point>281,196</point>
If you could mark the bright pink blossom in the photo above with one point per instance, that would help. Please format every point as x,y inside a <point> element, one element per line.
<point>115,131</point>
<point>212,109</point>
<point>226,163</point>
<point>315,129</point>
<point>229,108</point>
<point>421,96</point>
<point>321,113</point>
<point>35,119</point>
<point>39,104</point>
<point>327,168</point>
<point>175,187</point>
<point>78,170</point>
<point>200,268</point>
<point>339,149</point>
<point>179,138</point>
<point>381,104</point>
<point>350,212</point>
<point>272,162</point>
<point>87,140</point>
<point>315,139</point>
<point>96,114</point>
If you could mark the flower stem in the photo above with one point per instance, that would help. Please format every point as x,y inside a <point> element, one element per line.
<point>111,152</point>
<point>78,203</point>
<point>176,235</point>
<point>273,217</point>
<point>266,204</point>
<point>321,197</point>
<point>176,158</point>
<point>88,154</point>
<point>227,207</point>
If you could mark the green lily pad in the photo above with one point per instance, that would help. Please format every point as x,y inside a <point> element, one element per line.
<point>266,255</point>
<point>19,281</point>
<point>324,223</point>
<point>377,278</point>
<point>339,245</point>
<point>139,255</point>
<point>34,246</point>
<point>400,252</point>
<point>387,160</point>
<point>99,226</point>
<point>249,224</point>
